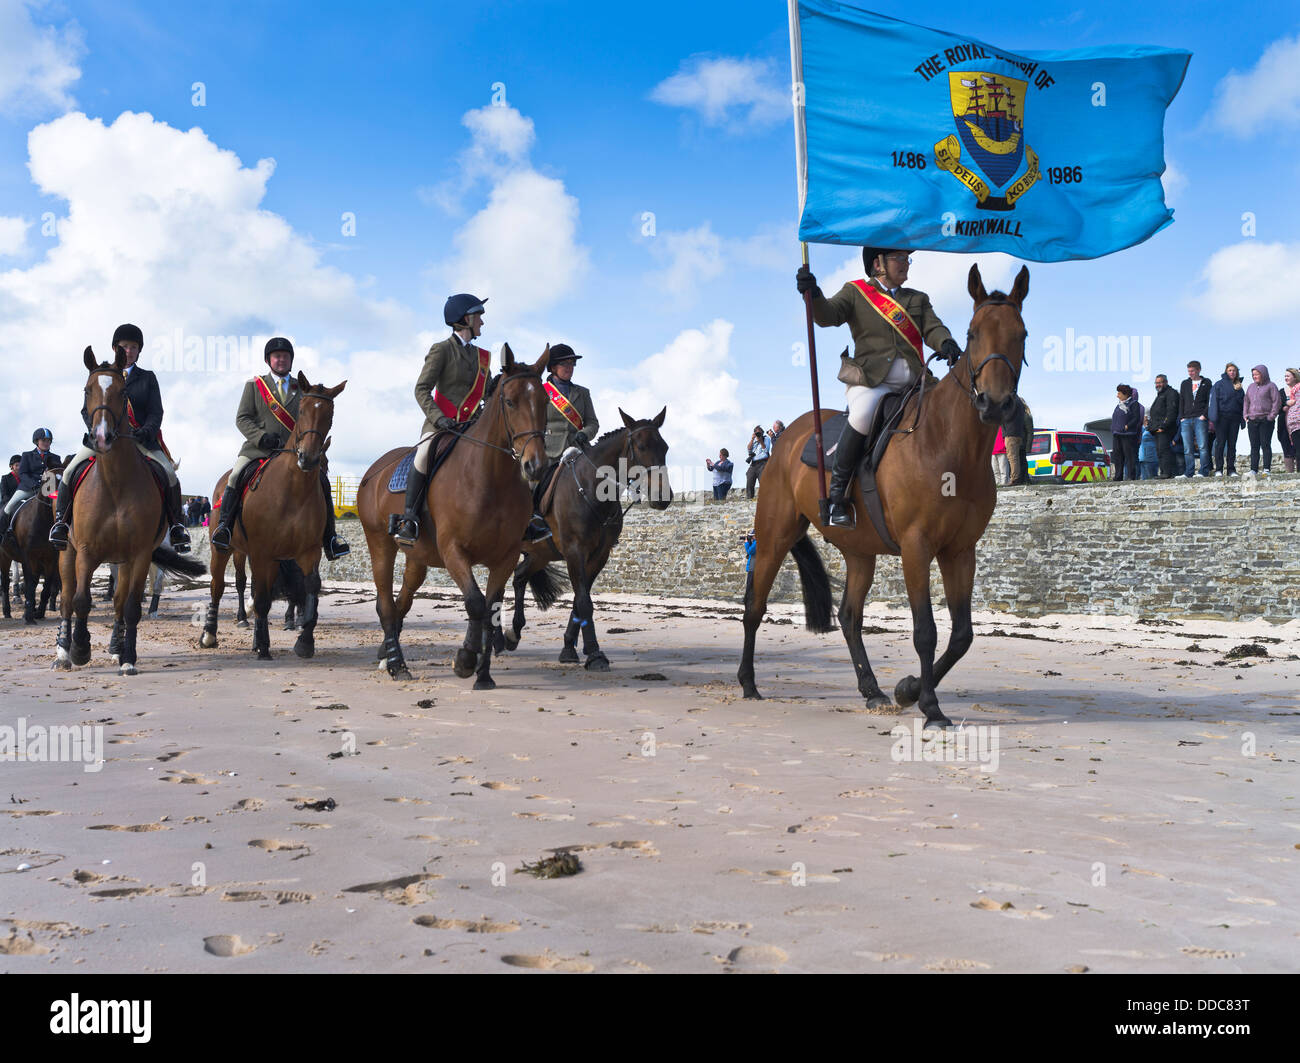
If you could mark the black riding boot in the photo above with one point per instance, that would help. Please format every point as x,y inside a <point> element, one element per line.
<point>4,526</point>
<point>221,534</point>
<point>334,546</point>
<point>537,530</point>
<point>408,525</point>
<point>59,530</point>
<point>847,455</point>
<point>177,536</point>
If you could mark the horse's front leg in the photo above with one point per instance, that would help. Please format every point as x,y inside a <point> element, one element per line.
<point>584,609</point>
<point>492,634</point>
<point>958,571</point>
<point>63,640</point>
<point>306,644</point>
<point>217,567</point>
<point>916,575</point>
<point>241,585</point>
<point>263,581</point>
<point>462,572</point>
<point>520,583</point>
<point>4,587</point>
<point>83,569</point>
<point>30,576</point>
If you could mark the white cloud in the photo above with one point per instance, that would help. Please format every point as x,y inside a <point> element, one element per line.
<point>735,94</point>
<point>692,257</point>
<point>13,236</point>
<point>1266,95</point>
<point>1174,181</point>
<point>501,138</point>
<point>1252,281</point>
<point>38,64</point>
<point>690,376</point>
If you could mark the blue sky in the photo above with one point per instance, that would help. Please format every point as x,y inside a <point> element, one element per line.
<point>539,205</point>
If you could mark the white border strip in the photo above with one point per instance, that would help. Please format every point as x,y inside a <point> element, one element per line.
<point>798,98</point>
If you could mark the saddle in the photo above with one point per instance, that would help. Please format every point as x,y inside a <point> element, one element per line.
<point>248,477</point>
<point>159,480</point>
<point>443,443</point>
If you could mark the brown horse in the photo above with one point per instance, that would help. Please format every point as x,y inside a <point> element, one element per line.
<point>586,519</point>
<point>241,581</point>
<point>479,509</point>
<point>936,488</point>
<point>118,516</point>
<point>282,519</point>
<point>31,530</point>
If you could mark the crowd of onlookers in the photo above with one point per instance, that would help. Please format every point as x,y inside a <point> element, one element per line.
<point>1147,438</point>
<point>758,451</point>
<point>197,511</point>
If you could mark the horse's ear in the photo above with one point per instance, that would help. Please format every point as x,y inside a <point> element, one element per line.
<point>507,358</point>
<point>328,441</point>
<point>627,421</point>
<point>119,359</point>
<point>975,285</point>
<point>540,366</point>
<point>333,393</point>
<point>89,359</point>
<point>658,422</point>
<point>302,381</point>
<point>1021,288</point>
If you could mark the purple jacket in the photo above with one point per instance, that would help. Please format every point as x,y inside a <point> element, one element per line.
<point>1263,400</point>
<point>1126,420</point>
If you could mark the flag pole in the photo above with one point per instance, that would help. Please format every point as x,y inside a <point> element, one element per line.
<point>801,174</point>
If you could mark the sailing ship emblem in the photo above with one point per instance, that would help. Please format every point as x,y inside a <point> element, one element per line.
<point>989,112</point>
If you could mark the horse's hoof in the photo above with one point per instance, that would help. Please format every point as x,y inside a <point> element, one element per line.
<point>597,662</point>
<point>399,671</point>
<point>305,647</point>
<point>264,655</point>
<point>511,639</point>
<point>80,655</point>
<point>117,658</point>
<point>29,620</point>
<point>499,642</point>
<point>877,701</point>
<point>937,723</point>
<point>208,640</point>
<point>242,623</point>
<point>907,692</point>
<point>151,616</point>
<point>568,655</point>
<point>466,663</point>
<point>752,694</point>
<point>62,662</point>
<point>485,684</point>
<point>127,669</point>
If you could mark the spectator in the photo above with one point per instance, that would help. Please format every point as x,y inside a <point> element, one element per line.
<point>1163,421</point>
<point>1016,433</point>
<point>1290,415</point>
<point>1193,414</point>
<point>1227,397</point>
<point>1148,463</point>
<point>756,459</point>
<point>1126,427</point>
<point>1283,416</point>
<point>1001,466</point>
<point>721,470</point>
<point>774,433</point>
<point>1263,401</point>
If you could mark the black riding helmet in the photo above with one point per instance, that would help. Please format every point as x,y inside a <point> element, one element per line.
<point>869,255</point>
<point>128,332</point>
<point>458,306</point>
<point>42,433</point>
<point>561,353</point>
<point>277,343</point>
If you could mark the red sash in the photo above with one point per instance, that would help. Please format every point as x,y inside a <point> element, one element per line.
<point>899,318</point>
<point>449,408</point>
<point>563,405</point>
<point>273,404</point>
<point>130,416</point>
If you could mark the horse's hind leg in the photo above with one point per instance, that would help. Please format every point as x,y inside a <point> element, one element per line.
<point>383,557</point>
<point>157,580</point>
<point>30,577</point>
<point>241,585</point>
<point>775,534</point>
<point>491,624</point>
<point>4,587</point>
<point>49,588</point>
<point>462,572</point>
<point>305,646</point>
<point>217,566</point>
<point>127,604</point>
<point>522,571</point>
<point>859,572</point>
<point>916,575</point>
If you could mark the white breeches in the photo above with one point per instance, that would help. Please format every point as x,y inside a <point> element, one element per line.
<point>155,455</point>
<point>422,452</point>
<point>863,401</point>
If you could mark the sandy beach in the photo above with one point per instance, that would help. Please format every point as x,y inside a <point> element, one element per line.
<point>1142,814</point>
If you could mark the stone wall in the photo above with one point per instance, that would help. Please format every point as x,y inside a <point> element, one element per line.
<point>1179,548</point>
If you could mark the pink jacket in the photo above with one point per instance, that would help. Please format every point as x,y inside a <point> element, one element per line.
<point>999,444</point>
<point>1293,411</point>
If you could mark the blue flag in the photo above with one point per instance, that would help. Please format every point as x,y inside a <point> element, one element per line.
<point>912,138</point>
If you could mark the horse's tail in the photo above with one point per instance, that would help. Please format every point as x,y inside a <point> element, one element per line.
<point>546,585</point>
<point>290,584</point>
<point>175,565</point>
<point>816,585</point>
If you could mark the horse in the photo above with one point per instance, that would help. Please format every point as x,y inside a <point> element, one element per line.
<point>586,518</point>
<point>118,516</point>
<point>937,491</point>
<point>282,519</point>
<point>481,511</point>
<point>285,583</point>
<point>39,560</point>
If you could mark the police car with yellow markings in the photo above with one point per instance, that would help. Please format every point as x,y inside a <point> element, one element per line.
<point>1062,457</point>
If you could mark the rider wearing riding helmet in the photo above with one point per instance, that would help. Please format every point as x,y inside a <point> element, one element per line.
<point>145,413</point>
<point>888,323</point>
<point>570,421</point>
<point>31,468</point>
<point>268,410</point>
<point>450,388</point>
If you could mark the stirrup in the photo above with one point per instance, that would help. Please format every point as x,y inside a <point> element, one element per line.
<point>179,539</point>
<point>537,530</point>
<point>221,537</point>
<point>336,548</point>
<point>842,515</point>
<point>405,529</point>
<point>59,535</point>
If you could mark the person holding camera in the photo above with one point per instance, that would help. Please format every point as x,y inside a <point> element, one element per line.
<point>759,452</point>
<point>721,470</point>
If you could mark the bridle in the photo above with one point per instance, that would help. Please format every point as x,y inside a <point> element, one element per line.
<point>973,373</point>
<point>625,455</point>
<point>88,416</point>
<point>515,451</point>
<point>301,434</point>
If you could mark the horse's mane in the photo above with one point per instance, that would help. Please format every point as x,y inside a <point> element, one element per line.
<point>515,370</point>
<point>608,435</point>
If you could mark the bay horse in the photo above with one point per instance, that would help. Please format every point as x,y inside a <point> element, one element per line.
<point>283,585</point>
<point>282,518</point>
<point>585,516</point>
<point>35,553</point>
<point>937,491</point>
<point>478,506</point>
<point>118,516</point>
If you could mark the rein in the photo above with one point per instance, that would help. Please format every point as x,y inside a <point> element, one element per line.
<point>515,454</point>
<point>626,454</point>
<point>973,373</point>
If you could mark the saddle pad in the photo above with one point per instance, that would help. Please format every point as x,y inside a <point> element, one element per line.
<point>397,482</point>
<point>442,447</point>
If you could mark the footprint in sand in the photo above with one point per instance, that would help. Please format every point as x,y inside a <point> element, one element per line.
<point>544,817</point>
<point>1208,954</point>
<point>275,845</point>
<point>404,890</point>
<point>248,804</point>
<point>714,926</point>
<point>884,957</point>
<point>498,786</point>
<point>407,800</point>
<point>187,777</point>
<point>138,828</point>
<point>31,812</point>
<point>480,926</point>
<point>14,945</point>
<point>768,956</point>
<point>279,896</point>
<point>548,962</point>
<point>956,965</point>
<point>227,945</point>
<point>125,891</point>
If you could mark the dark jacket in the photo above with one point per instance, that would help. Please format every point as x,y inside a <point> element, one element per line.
<point>1227,402</point>
<point>146,404</point>
<point>33,466</point>
<point>8,485</point>
<point>1197,405</point>
<point>1164,410</point>
<point>1126,420</point>
<point>1015,427</point>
